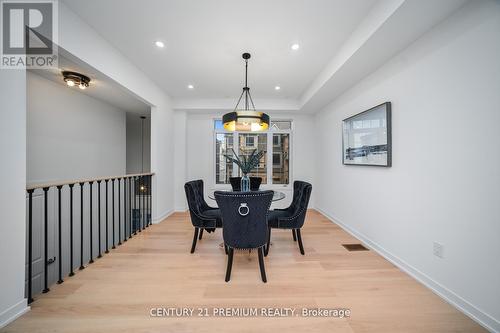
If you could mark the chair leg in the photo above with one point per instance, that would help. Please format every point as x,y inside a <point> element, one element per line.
<point>225,249</point>
<point>261,264</point>
<point>201,233</point>
<point>294,235</point>
<point>301,246</point>
<point>229,264</point>
<point>193,247</point>
<point>266,251</point>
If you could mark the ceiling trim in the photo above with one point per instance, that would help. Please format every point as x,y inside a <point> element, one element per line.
<point>228,104</point>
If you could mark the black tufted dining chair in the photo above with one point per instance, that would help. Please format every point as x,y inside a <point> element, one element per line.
<point>244,215</point>
<point>292,217</point>
<point>202,215</point>
<point>254,183</point>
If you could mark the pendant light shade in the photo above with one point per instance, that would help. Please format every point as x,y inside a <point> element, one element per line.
<point>242,120</point>
<point>246,120</point>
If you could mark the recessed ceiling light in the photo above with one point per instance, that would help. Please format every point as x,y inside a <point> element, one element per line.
<point>159,44</point>
<point>190,86</point>
<point>277,88</point>
<point>295,47</point>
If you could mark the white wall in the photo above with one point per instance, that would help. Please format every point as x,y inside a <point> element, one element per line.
<point>180,157</point>
<point>71,135</point>
<point>12,192</point>
<point>444,185</point>
<point>200,151</point>
<point>81,40</point>
<point>138,139</point>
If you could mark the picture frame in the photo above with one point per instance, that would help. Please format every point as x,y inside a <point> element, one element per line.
<point>367,137</point>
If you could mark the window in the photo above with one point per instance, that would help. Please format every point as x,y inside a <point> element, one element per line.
<point>275,142</point>
<point>281,125</point>
<point>249,143</point>
<point>223,168</point>
<point>281,153</point>
<point>277,160</point>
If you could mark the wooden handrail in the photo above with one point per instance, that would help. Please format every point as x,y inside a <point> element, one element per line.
<point>85,180</point>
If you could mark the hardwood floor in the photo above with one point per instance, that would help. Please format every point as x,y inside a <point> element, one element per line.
<point>155,269</point>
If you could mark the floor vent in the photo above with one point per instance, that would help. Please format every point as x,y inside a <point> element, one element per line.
<point>355,247</point>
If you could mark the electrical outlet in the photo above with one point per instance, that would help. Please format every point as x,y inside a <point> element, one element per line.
<point>438,250</point>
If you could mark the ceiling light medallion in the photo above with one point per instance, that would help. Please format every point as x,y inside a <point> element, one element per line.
<point>246,120</point>
<point>76,79</point>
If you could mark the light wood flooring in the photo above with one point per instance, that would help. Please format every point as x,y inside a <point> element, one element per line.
<point>155,269</point>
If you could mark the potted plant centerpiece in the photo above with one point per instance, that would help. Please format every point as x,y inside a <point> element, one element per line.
<point>246,165</point>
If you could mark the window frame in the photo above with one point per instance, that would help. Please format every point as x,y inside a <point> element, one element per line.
<point>279,141</point>
<point>269,153</point>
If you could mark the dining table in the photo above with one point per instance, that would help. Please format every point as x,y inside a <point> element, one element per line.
<point>277,195</point>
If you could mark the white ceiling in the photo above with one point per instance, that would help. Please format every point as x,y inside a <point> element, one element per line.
<point>101,87</point>
<point>204,41</point>
<point>341,42</point>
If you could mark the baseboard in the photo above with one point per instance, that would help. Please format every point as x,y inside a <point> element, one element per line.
<point>449,296</point>
<point>163,216</point>
<point>181,209</point>
<point>13,313</point>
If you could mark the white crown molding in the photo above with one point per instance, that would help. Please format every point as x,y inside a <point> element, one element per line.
<point>228,104</point>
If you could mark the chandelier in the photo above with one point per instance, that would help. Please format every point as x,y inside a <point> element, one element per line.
<point>247,120</point>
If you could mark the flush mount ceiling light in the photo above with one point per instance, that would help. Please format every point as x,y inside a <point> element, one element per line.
<point>76,79</point>
<point>190,86</point>
<point>277,88</point>
<point>295,47</point>
<point>160,44</point>
<point>246,119</point>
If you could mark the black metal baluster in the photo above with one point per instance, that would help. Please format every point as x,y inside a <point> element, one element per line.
<point>60,232</point>
<point>71,273</point>
<point>144,216</point>
<point>81,226</point>
<point>144,212</point>
<point>99,217</point>
<point>130,207</point>
<point>151,191</point>
<point>91,240</point>
<point>119,213</point>
<point>150,180</point>
<point>113,210</point>
<point>107,228</point>
<point>140,204</point>
<point>124,209</point>
<point>135,204</point>
<point>146,194</point>
<point>148,215</point>
<point>45,237</point>
<point>30,244</point>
